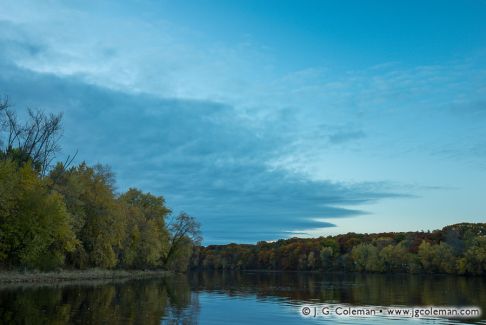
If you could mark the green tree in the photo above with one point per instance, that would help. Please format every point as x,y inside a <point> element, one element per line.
<point>326,254</point>
<point>98,216</point>
<point>395,258</point>
<point>35,227</point>
<point>437,257</point>
<point>147,237</point>
<point>365,258</point>
<point>474,260</point>
<point>311,261</point>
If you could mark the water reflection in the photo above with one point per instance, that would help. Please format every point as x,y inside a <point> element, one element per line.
<point>129,302</point>
<point>227,297</point>
<point>355,289</point>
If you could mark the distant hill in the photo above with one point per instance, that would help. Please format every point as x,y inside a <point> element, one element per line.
<point>457,249</point>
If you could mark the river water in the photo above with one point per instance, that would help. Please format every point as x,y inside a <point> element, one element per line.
<point>239,298</point>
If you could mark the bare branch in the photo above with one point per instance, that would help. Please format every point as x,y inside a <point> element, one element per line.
<point>35,140</point>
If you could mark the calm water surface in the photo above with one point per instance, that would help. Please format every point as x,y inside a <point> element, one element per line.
<point>236,298</point>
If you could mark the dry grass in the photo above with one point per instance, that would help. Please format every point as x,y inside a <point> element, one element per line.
<point>76,275</point>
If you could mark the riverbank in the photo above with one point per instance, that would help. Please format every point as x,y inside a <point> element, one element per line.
<point>77,275</point>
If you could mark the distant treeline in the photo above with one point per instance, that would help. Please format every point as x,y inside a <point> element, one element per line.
<point>57,216</point>
<point>456,249</point>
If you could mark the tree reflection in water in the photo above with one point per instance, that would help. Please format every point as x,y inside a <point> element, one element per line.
<point>129,302</point>
<point>175,299</point>
<point>349,288</point>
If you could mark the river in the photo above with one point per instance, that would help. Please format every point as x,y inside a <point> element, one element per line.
<point>239,298</point>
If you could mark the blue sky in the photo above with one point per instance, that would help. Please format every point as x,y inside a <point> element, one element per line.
<point>267,119</point>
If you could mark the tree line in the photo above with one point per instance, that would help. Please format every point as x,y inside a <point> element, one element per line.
<point>54,215</point>
<point>455,249</point>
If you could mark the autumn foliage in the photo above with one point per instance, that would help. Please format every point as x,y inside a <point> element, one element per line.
<point>459,248</point>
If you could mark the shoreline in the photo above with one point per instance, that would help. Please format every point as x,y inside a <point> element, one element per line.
<point>341,272</point>
<point>9,277</point>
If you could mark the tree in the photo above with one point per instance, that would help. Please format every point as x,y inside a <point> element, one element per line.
<point>147,237</point>
<point>437,258</point>
<point>365,257</point>
<point>311,260</point>
<point>412,252</point>
<point>99,221</point>
<point>474,260</point>
<point>36,140</point>
<point>184,233</point>
<point>326,255</point>
<point>73,215</point>
<point>395,258</point>
<point>35,227</point>
<point>382,242</point>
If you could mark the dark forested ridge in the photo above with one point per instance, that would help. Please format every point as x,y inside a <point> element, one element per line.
<point>53,215</point>
<point>456,249</point>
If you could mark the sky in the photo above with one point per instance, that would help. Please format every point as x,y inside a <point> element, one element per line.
<point>267,119</point>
